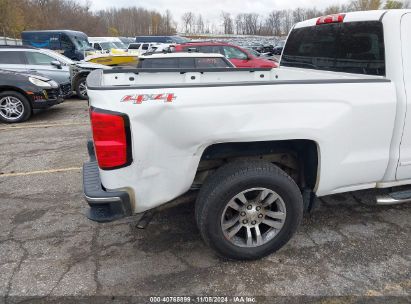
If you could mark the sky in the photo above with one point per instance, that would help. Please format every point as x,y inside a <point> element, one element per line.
<point>211,9</point>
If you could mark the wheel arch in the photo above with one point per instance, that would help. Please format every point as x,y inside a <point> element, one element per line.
<point>304,153</point>
<point>80,75</point>
<point>4,88</point>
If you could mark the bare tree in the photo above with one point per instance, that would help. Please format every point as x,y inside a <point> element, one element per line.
<point>188,21</point>
<point>199,24</point>
<point>392,4</point>
<point>18,15</point>
<point>364,5</point>
<point>287,22</point>
<point>239,24</point>
<point>273,23</point>
<point>298,15</point>
<point>227,23</point>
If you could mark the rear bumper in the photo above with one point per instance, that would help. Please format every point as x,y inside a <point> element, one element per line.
<point>105,206</point>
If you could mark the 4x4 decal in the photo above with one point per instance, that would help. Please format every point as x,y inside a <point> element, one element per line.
<point>139,98</point>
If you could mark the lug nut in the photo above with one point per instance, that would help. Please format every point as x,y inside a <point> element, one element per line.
<point>253,222</point>
<point>260,216</point>
<point>258,208</point>
<point>245,222</point>
<point>242,213</point>
<point>249,207</point>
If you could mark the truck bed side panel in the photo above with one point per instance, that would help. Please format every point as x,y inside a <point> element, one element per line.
<point>352,123</point>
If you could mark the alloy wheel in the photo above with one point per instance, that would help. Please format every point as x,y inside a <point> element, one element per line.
<point>253,217</point>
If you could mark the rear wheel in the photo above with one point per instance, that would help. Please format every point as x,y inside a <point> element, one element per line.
<point>14,107</point>
<point>247,210</point>
<point>81,88</point>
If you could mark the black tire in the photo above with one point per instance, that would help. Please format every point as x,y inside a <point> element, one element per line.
<point>79,82</point>
<point>26,107</point>
<point>232,179</point>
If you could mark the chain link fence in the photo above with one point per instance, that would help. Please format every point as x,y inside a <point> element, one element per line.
<point>9,41</point>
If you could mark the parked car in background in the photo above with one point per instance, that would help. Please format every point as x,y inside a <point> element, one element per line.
<point>267,56</point>
<point>278,49</point>
<point>127,40</point>
<point>118,42</point>
<point>161,39</point>
<point>264,49</point>
<point>106,43</point>
<point>38,61</point>
<point>72,44</point>
<point>22,93</point>
<point>183,61</point>
<point>240,57</point>
<point>78,75</point>
<point>161,48</point>
<point>140,48</point>
<point>103,47</point>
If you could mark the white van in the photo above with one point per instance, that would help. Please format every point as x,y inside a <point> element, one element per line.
<point>141,48</point>
<point>107,44</point>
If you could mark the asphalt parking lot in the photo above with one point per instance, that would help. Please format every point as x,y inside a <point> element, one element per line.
<point>48,247</point>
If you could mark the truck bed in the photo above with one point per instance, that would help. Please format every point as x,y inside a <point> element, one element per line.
<point>176,114</point>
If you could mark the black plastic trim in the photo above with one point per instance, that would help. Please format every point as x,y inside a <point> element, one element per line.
<point>239,84</point>
<point>105,206</point>
<point>382,16</point>
<point>202,70</point>
<point>127,127</point>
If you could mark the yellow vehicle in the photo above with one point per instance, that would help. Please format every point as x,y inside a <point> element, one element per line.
<point>113,59</point>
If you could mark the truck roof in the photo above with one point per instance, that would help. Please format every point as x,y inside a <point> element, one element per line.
<point>376,15</point>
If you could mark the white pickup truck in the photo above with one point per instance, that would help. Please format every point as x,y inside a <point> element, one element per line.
<point>258,144</point>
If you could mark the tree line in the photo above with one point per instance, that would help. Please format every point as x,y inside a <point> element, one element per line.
<point>19,15</point>
<point>277,22</point>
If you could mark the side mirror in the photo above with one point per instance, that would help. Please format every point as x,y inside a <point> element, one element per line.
<point>57,64</point>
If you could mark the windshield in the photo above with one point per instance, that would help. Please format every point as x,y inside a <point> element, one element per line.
<point>120,45</point>
<point>253,52</point>
<point>108,45</point>
<point>81,43</point>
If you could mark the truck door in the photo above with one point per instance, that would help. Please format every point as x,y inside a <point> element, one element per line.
<point>404,165</point>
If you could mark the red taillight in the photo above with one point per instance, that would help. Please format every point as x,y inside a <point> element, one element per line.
<point>337,18</point>
<point>111,136</point>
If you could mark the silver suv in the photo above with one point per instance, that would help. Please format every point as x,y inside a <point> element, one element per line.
<point>37,61</point>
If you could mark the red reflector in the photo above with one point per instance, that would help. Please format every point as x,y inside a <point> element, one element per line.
<point>110,139</point>
<point>337,18</point>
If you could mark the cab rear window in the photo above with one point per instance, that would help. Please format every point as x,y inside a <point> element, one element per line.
<point>355,47</point>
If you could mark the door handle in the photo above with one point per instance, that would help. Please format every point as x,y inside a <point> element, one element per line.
<point>32,70</point>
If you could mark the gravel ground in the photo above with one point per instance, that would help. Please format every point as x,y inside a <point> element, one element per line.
<point>49,248</point>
